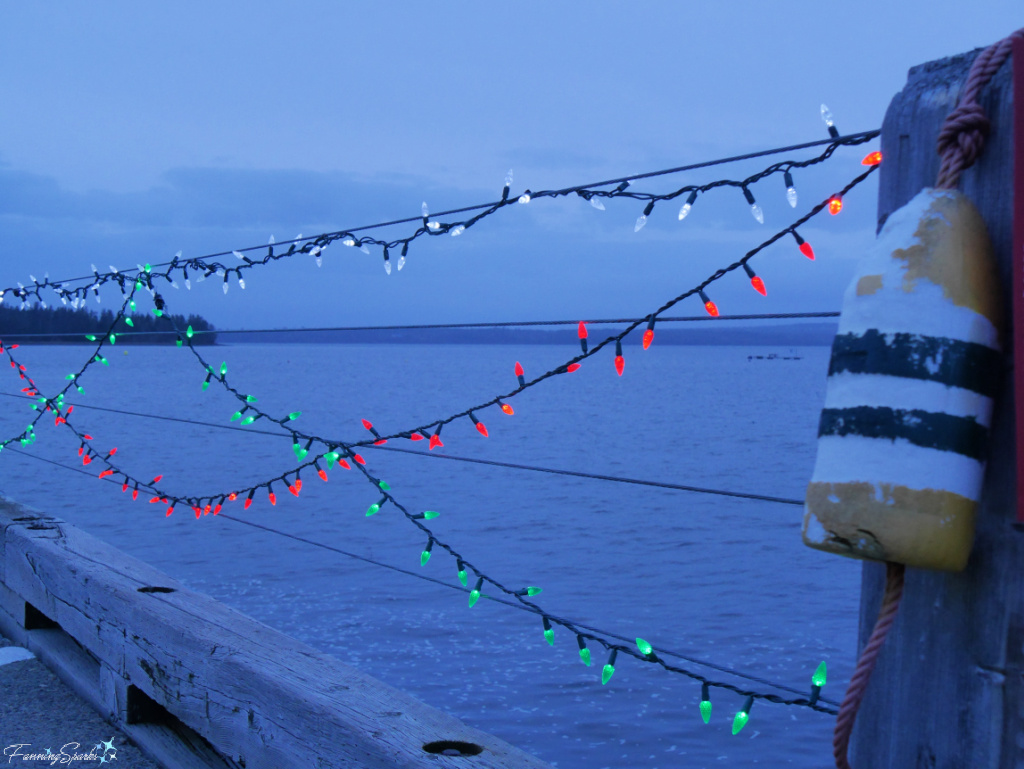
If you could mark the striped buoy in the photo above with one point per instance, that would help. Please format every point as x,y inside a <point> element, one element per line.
<point>914,369</point>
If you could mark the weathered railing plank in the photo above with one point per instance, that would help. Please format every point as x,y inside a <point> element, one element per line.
<point>196,683</point>
<point>947,689</point>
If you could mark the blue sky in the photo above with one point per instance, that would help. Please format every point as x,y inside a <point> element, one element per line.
<point>133,131</point>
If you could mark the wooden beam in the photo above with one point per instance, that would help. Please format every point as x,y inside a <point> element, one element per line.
<point>947,689</point>
<point>197,684</point>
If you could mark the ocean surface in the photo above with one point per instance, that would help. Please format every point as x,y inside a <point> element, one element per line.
<point>716,579</point>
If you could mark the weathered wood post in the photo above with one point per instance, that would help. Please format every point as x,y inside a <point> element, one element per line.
<point>948,688</point>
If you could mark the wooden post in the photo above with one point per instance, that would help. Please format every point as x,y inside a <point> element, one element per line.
<point>947,689</point>
<point>197,685</point>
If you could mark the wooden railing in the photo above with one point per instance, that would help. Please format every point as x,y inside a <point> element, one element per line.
<point>197,684</point>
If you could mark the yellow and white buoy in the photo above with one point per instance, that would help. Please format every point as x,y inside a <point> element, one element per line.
<point>914,370</point>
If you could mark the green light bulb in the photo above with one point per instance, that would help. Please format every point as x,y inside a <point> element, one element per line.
<point>236,415</point>
<point>90,337</point>
<point>818,679</point>
<point>249,420</point>
<point>607,673</point>
<point>148,268</point>
<point>250,399</point>
<point>300,452</point>
<point>739,721</point>
<point>81,389</point>
<point>177,342</point>
<point>294,415</point>
<point>189,332</point>
<point>129,321</point>
<point>70,376</point>
<point>743,716</point>
<point>585,656</point>
<point>462,577</point>
<point>131,304</point>
<point>705,710</point>
<point>158,312</point>
<point>223,368</point>
<point>430,514</point>
<point>549,636</point>
<point>644,647</point>
<point>424,557</point>
<point>331,457</point>
<point>474,594</point>
<point>206,384</point>
<point>372,510</point>
<point>533,590</point>
<point>384,485</point>
<point>113,339</point>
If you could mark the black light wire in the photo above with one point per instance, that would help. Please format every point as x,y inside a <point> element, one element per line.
<point>339,551</point>
<point>553,471</point>
<point>583,190</point>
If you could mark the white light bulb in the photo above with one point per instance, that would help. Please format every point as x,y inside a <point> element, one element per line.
<point>755,209</point>
<point>684,211</point>
<point>641,221</point>
<point>791,196</point>
<point>239,255</point>
<point>174,284</point>
<point>401,262</point>
<point>458,231</point>
<point>596,203</point>
<point>113,269</point>
<point>225,286</point>
<point>826,115</point>
<point>426,211</point>
<point>434,225</point>
<point>271,241</point>
<point>93,266</point>
<point>525,198</point>
<point>348,242</point>
<point>364,249</point>
<point>188,284</point>
<point>241,283</point>
<point>316,255</point>
<point>508,178</point>
<point>387,266</point>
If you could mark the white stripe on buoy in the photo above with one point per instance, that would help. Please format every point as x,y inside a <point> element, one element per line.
<point>847,390</point>
<point>854,458</point>
<point>10,654</point>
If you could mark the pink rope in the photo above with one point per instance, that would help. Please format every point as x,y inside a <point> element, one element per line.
<point>866,664</point>
<point>963,135</point>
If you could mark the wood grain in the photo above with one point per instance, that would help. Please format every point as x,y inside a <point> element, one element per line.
<point>198,684</point>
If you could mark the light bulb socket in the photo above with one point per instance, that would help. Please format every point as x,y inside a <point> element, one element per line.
<point>622,187</point>
<point>703,296</point>
<point>788,179</point>
<point>833,132</point>
<point>749,196</point>
<point>649,208</point>
<point>750,272</point>
<point>618,348</point>
<point>704,695</point>
<point>799,240</point>
<point>405,248</point>
<point>581,643</point>
<point>815,691</point>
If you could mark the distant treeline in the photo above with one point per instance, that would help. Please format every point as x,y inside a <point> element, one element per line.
<point>60,325</point>
<point>791,335</point>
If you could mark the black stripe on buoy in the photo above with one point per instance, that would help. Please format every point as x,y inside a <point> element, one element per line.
<point>971,366</point>
<point>931,430</point>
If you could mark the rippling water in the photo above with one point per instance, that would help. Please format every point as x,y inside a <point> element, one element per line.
<point>714,578</point>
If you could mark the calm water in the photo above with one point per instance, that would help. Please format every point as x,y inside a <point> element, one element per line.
<point>714,578</point>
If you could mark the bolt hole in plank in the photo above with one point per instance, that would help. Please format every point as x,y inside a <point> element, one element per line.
<point>152,589</point>
<point>452,748</point>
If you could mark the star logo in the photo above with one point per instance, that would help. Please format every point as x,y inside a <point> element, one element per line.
<point>109,745</point>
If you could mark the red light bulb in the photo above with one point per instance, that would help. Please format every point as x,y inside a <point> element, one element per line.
<point>507,409</point>
<point>106,472</point>
<point>135,494</point>
<point>170,510</point>
<point>124,487</point>
<point>157,479</point>
<point>323,474</point>
<point>216,510</point>
<point>367,424</point>
<point>582,330</point>
<point>806,250</point>
<point>835,205</point>
<point>710,306</point>
<point>86,459</point>
<point>343,463</point>
<point>758,285</point>
<point>519,369</point>
<point>248,501</point>
<point>272,497</point>
<point>359,459</point>
<point>415,437</point>
<point>572,367</point>
<point>232,496</point>
<point>481,429</point>
<point>620,362</point>
<point>435,441</point>
<point>197,511</point>
<point>873,159</point>
<point>294,489</point>
<point>648,337</point>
